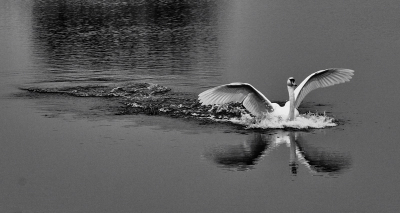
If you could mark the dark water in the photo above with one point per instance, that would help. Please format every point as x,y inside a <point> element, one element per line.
<point>62,153</point>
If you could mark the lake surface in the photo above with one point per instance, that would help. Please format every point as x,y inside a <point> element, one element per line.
<point>61,153</point>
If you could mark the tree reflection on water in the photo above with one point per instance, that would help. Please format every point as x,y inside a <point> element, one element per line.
<point>126,39</point>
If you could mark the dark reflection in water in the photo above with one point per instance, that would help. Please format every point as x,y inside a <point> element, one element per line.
<point>135,38</point>
<point>245,156</point>
<point>240,156</point>
<point>321,161</point>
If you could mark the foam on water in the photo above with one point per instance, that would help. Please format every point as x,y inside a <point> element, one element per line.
<point>303,121</point>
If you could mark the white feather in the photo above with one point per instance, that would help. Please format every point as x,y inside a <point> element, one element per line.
<point>252,99</point>
<point>319,79</point>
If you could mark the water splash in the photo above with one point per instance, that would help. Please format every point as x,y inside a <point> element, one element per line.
<point>303,121</point>
<point>153,99</point>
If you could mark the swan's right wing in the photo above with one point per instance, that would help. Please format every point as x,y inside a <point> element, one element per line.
<point>319,79</point>
<point>244,93</point>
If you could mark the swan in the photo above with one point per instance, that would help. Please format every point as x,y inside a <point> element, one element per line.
<point>257,104</point>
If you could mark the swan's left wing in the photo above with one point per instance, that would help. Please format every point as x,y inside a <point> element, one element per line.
<point>253,100</point>
<point>319,79</point>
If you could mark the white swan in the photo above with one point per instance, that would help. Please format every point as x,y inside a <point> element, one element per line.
<point>256,103</point>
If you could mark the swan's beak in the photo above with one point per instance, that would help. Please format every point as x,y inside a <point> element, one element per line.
<point>291,82</point>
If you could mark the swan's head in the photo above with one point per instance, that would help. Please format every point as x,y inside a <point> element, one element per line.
<point>291,82</point>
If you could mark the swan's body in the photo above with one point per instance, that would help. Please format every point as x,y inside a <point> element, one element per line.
<point>256,103</point>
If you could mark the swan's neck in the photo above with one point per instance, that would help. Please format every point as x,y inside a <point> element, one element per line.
<point>291,99</point>
<point>293,157</point>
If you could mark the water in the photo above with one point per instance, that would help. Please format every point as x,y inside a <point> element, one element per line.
<point>62,153</point>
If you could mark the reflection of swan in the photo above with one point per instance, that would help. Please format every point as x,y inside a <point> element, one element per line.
<point>321,161</point>
<point>257,103</point>
<point>240,156</point>
<point>244,156</point>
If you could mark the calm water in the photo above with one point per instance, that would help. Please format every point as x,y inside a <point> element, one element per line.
<point>68,154</point>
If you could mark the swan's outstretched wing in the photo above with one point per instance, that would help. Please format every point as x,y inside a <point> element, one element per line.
<point>252,99</point>
<point>319,79</point>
